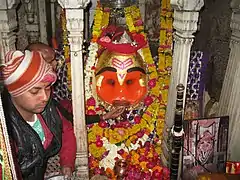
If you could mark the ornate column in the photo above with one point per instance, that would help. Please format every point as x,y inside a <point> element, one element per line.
<point>42,18</point>
<point>75,26</point>
<point>32,23</point>
<point>229,103</point>
<point>53,17</point>
<point>185,24</point>
<point>8,25</point>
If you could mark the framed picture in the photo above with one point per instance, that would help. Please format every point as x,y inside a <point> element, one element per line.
<point>205,146</point>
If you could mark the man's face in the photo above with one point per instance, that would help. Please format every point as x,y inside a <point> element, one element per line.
<point>35,100</point>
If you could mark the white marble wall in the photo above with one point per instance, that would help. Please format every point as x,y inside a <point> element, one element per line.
<point>229,100</point>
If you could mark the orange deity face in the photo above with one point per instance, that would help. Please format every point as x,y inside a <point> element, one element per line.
<point>121,79</point>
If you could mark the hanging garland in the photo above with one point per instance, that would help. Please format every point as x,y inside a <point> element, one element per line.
<point>138,139</point>
<point>165,54</point>
<point>66,48</point>
<point>4,163</point>
<point>155,112</point>
<point>101,20</point>
<point>7,166</point>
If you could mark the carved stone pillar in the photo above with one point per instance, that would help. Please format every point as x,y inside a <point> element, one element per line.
<point>32,22</point>
<point>75,26</point>
<point>8,25</point>
<point>229,103</point>
<point>185,23</point>
<point>53,17</point>
<point>42,18</point>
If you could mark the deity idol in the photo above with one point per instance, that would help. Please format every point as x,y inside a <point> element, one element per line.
<point>121,74</point>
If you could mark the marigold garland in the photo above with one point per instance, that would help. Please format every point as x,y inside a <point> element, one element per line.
<point>4,162</point>
<point>154,111</point>
<point>66,48</point>
<point>165,55</point>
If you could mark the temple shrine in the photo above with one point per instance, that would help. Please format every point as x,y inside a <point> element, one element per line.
<point>171,64</point>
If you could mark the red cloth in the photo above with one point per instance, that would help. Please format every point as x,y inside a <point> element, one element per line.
<point>67,104</point>
<point>68,149</point>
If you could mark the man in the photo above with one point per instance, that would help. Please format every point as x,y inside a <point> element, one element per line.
<point>63,103</point>
<point>35,125</point>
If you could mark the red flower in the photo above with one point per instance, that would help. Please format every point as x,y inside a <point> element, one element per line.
<point>137,119</point>
<point>121,152</point>
<point>102,124</point>
<point>150,165</point>
<point>166,172</point>
<point>98,108</point>
<point>91,101</point>
<point>166,87</point>
<point>157,174</point>
<point>148,100</point>
<point>140,134</point>
<point>152,83</point>
<point>91,112</point>
<point>99,143</point>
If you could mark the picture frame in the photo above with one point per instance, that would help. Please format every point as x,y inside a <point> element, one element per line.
<point>205,146</point>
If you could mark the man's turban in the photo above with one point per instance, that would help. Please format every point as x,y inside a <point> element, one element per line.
<point>22,71</point>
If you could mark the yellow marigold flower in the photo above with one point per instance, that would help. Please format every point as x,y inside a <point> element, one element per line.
<point>151,127</point>
<point>143,165</point>
<point>90,107</point>
<point>158,149</point>
<point>133,138</point>
<point>135,158</point>
<point>152,68</point>
<point>162,112</point>
<point>153,75</point>
<point>91,137</point>
<point>117,135</point>
<point>97,130</point>
<point>96,151</point>
<point>143,124</point>
<point>146,117</point>
<point>155,91</point>
<point>128,142</point>
<point>159,168</point>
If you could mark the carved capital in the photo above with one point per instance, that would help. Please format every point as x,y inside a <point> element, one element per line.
<point>235,5</point>
<point>187,5</point>
<point>73,4</point>
<point>75,26</point>
<point>185,23</point>
<point>9,4</point>
<point>235,26</point>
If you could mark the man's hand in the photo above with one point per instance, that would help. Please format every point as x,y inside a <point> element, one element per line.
<point>67,172</point>
<point>114,113</point>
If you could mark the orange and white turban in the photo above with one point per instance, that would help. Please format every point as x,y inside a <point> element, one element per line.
<point>22,71</point>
